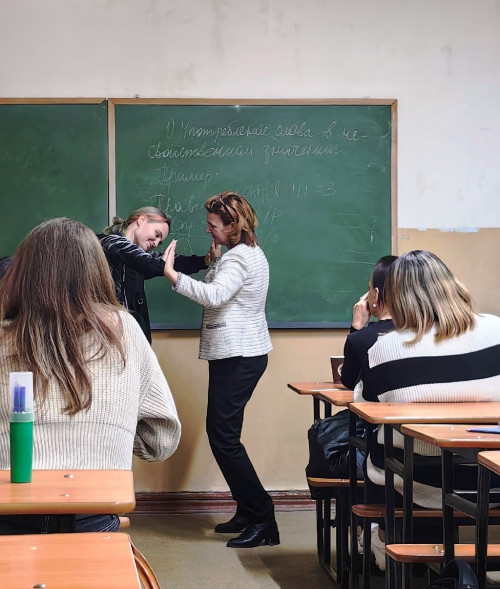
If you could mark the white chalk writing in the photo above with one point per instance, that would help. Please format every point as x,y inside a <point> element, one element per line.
<point>181,152</point>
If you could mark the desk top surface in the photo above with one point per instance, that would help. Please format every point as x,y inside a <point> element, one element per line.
<point>340,398</point>
<point>68,491</point>
<point>490,459</point>
<point>57,561</point>
<point>412,413</point>
<point>315,387</point>
<point>452,436</point>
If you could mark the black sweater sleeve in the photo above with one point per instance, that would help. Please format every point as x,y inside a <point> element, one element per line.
<point>351,366</point>
<point>149,264</point>
<point>189,264</point>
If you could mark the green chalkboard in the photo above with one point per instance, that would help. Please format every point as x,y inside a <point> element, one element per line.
<point>53,163</point>
<point>321,178</point>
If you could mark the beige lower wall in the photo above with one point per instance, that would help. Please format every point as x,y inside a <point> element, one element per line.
<point>276,420</point>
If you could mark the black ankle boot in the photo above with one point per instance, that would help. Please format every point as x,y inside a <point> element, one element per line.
<point>236,524</point>
<point>255,534</point>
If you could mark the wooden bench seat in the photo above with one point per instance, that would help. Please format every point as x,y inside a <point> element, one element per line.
<point>323,491</point>
<point>321,482</point>
<point>415,553</point>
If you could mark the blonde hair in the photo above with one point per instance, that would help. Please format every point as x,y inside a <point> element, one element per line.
<point>119,225</point>
<point>58,289</point>
<point>231,207</point>
<point>421,291</point>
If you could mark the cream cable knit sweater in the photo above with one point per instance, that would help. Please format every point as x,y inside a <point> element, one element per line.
<point>132,412</point>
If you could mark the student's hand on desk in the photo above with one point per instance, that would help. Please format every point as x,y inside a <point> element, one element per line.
<point>169,257</point>
<point>361,313</point>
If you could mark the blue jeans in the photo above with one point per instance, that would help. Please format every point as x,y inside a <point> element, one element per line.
<point>49,524</point>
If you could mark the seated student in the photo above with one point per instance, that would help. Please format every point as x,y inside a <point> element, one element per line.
<point>128,246</point>
<point>440,351</point>
<point>99,393</point>
<point>363,332</point>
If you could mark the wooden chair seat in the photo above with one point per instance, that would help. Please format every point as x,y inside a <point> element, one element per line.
<point>416,553</point>
<point>323,491</point>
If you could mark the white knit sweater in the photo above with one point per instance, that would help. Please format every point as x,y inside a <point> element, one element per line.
<point>132,412</point>
<point>233,297</point>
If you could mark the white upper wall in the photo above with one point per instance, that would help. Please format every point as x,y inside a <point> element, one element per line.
<point>438,58</point>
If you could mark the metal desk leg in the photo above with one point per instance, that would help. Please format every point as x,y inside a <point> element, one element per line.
<point>390,520</point>
<point>407,504</point>
<point>316,408</point>
<point>483,490</point>
<point>327,407</point>
<point>448,523</point>
<point>354,444</point>
<point>353,477</point>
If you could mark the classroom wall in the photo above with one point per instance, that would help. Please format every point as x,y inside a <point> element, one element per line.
<point>437,58</point>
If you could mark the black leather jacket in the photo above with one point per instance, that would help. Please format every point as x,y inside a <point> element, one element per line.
<point>130,265</point>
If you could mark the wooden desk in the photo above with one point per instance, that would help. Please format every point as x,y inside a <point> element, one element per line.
<point>339,397</point>
<point>451,439</point>
<point>329,394</point>
<point>68,492</point>
<point>315,389</point>
<point>412,413</point>
<point>68,561</point>
<point>392,415</point>
<point>488,462</point>
<point>451,436</point>
<point>311,387</point>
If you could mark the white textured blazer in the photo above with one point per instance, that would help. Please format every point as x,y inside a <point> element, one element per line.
<point>233,296</point>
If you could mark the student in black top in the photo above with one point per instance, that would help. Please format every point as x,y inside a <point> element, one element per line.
<point>128,246</point>
<point>363,332</point>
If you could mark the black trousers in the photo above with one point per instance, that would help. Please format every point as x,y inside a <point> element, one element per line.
<point>231,384</point>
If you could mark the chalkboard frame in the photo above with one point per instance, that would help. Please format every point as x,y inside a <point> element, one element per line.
<point>392,103</point>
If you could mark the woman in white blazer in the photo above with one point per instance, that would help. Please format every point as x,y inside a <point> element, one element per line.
<point>235,341</point>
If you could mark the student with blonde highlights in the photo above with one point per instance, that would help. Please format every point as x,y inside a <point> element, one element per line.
<point>235,341</point>
<point>424,292</point>
<point>440,351</point>
<point>99,393</point>
<point>128,245</point>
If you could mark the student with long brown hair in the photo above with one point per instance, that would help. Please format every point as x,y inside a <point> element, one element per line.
<point>99,393</point>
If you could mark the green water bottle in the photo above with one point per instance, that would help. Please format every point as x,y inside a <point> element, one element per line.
<point>21,426</point>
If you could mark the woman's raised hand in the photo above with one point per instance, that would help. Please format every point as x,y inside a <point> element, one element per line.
<point>168,257</point>
<point>213,253</point>
<point>361,313</point>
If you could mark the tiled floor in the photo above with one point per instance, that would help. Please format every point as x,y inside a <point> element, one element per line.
<point>186,553</point>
